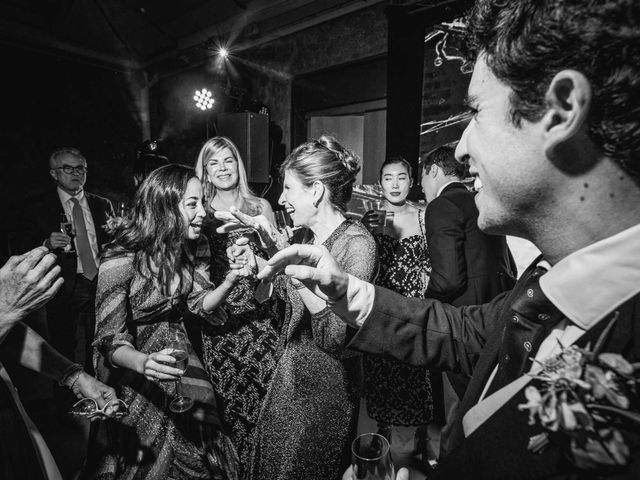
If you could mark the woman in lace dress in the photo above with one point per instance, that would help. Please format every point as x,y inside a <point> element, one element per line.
<point>156,266</point>
<point>239,356</point>
<point>397,393</point>
<point>309,417</point>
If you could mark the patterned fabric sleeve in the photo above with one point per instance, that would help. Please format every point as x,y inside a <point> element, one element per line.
<point>114,280</point>
<point>202,285</point>
<point>356,254</point>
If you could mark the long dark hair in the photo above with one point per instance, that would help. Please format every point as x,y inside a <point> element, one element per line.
<point>155,230</point>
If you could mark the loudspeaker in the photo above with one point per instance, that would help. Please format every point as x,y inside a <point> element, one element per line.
<point>250,132</point>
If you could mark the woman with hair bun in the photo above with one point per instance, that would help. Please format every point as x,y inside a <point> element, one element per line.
<point>309,416</point>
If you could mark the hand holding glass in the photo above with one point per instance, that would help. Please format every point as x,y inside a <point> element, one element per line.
<point>371,458</point>
<point>178,347</point>
<point>66,227</point>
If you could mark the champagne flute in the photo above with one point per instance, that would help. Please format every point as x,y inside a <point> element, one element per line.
<point>179,349</point>
<point>371,458</point>
<point>66,227</point>
<point>284,223</point>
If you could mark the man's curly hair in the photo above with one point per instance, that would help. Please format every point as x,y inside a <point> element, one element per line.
<point>527,42</point>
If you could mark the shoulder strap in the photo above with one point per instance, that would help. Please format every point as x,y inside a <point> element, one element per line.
<point>421,222</point>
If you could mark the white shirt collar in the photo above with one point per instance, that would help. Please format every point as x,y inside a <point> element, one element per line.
<point>590,283</point>
<point>65,196</point>
<point>445,186</point>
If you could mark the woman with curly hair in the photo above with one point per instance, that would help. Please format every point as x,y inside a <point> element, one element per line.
<point>156,267</point>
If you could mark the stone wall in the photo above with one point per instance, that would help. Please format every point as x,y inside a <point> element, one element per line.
<point>354,37</point>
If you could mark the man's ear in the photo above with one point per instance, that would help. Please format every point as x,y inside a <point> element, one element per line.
<point>53,174</point>
<point>435,169</point>
<point>565,122</point>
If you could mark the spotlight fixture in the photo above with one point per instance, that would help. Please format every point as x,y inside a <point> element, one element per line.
<point>204,99</point>
<point>223,52</point>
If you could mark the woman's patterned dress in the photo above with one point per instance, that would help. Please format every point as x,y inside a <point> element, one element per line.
<point>239,356</point>
<point>397,393</point>
<point>151,442</point>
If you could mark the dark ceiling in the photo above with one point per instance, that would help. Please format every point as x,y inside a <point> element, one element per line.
<point>140,33</point>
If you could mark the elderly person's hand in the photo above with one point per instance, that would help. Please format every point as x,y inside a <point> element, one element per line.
<point>403,474</point>
<point>27,282</point>
<point>271,239</point>
<point>87,386</point>
<point>314,266</point>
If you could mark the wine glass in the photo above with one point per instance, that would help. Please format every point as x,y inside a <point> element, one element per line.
<point>66,227</point>
<point>179,349</point>
<point>371,458</point>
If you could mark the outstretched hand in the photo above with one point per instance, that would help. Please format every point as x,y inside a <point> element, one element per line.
<point>314,266</point>
<point>270,237</point>
<point>27,282</point>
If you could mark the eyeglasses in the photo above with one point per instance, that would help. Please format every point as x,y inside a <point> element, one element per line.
<point>79,170</point>
<point>88,407</point>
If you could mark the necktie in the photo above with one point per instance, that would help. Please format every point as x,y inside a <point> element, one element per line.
<point>532,318</point>
<point>85,253</point>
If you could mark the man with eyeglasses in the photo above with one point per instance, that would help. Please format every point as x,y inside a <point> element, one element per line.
<point>77,254</point>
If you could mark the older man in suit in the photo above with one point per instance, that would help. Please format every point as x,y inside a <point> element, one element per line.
<point>78,257</point>
<point>554,144</point>
<point>468,267</point>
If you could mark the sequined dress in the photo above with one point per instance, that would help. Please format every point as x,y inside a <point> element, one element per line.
<point>151,442</point>
<point>397,393</point>
<point>239,356</point>
<point>309,416</point>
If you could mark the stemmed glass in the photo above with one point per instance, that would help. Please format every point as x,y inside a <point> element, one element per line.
<point>284,223</point>
<point>371,458</point>
<point>66,227</point>
<point>179,349</point>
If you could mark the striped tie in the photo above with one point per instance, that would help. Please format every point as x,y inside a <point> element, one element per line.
<point>89,268</point>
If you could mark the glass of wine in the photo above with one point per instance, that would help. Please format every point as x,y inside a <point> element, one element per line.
<point>66,227</point>
<point>371,458</point>
<point>179,349</point>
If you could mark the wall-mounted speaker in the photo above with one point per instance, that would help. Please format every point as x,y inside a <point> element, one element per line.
<point>250,132</point>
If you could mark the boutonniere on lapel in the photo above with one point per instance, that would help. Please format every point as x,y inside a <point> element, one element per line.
<point>588,396</point>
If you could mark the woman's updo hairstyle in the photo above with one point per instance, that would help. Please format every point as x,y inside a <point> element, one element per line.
<point>327,161</point>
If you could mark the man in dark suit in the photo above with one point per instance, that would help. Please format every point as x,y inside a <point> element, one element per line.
<point>78,257</point>
<point>554,144</point>
<point>468,267</point>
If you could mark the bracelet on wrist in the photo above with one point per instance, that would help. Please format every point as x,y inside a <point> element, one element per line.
<point>298,285</point>
<point>70,375</point>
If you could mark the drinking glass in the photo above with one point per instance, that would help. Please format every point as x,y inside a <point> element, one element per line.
<point>66,227</point>
<point>281,220</point>
<point>179,349</point>
<point>284,224</point>
<point>371,458</point>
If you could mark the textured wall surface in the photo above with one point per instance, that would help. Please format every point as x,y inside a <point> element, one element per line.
<point>356,36</point>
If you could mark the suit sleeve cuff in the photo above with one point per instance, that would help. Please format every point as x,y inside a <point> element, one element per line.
<point>356,305</point>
